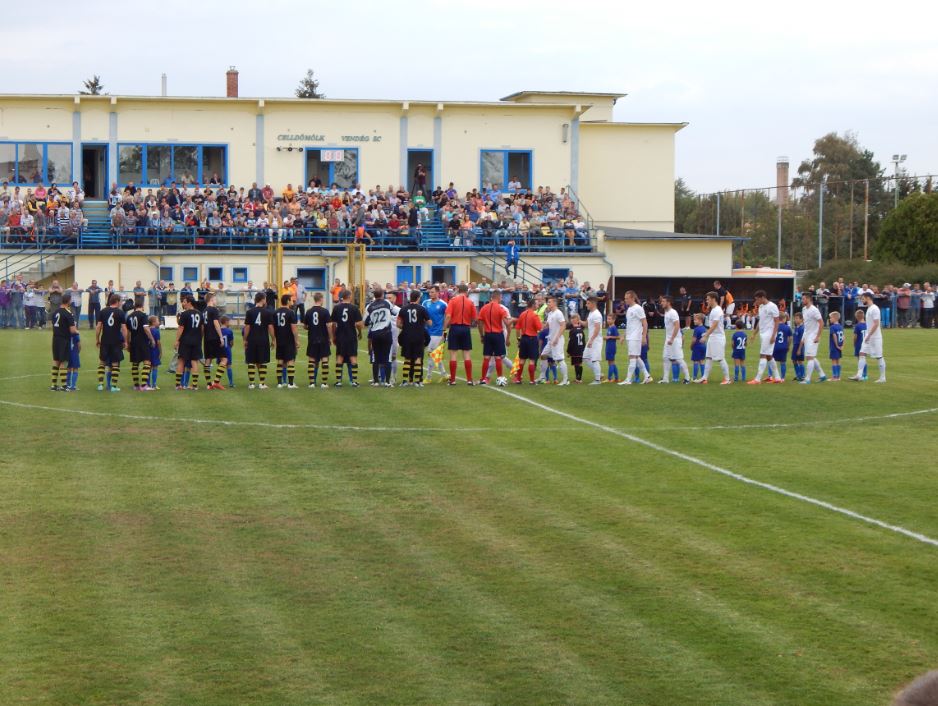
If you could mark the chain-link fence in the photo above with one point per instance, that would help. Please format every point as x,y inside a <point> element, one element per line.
<point>800,226</point>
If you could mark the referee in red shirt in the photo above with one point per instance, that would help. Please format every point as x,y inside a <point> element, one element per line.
<point>493,319</point>
<point>460,316</point>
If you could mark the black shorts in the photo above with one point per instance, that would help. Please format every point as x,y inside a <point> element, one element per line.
<point>190,352</point>
<point>61,349</point>
<point>528,348</point>
<point>214,349</point>
<point>459,338</point>
<point>346,347</point>
<point>257,353</point>
<point>286,351</point>
<point>140,351</point>
<point>493,344</point>
<point>317,350</point>
<point>111,353</point>
<point>576,359</point>
<point>412,348</point>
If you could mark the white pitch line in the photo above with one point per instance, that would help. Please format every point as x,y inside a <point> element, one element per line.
<point>783,425</point>
<point>268,425</point>
<point>729,474</point>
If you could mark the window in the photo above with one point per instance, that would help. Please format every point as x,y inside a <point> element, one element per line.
<point>34,162</point>
<point>190,274</point>
<point>216,274</point>
<point>239,274</point>
<point>552,274</point>
<point>166,273</point>
<point>311,277</point>
<point>498,167</point>
<point>409,273</point>
<point>443,273</point>
<point>333,166</point>
<point>155,164</point>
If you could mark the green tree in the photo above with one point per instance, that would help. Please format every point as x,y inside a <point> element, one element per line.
<point>309,87</point>
<point>93,86</point>
<point>909,234</point>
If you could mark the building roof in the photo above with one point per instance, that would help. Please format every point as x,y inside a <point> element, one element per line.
<point>615,233</point>
<point>586,94</point>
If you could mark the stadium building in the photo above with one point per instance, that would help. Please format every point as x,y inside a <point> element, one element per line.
<point>620,175</point>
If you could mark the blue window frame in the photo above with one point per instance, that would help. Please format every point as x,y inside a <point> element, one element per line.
<point>157,164</point>
<point>166,273</point>
<point>344,173</point>
<point>28,163</point>
<point>551,274</point>
<point>499,166</point>
<point>409,273</point>
<point>239,274</point>
<point>216,273</point>
<point>312,278</point>
<point>190,274</point>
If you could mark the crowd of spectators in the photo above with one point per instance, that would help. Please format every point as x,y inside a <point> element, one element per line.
<point>27,214</point>
<point>492,217</point>
<point>908,305</point>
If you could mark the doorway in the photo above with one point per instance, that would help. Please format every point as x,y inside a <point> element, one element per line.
<point>443,273</point>
<point>94,171</point>
<point>424,157</point>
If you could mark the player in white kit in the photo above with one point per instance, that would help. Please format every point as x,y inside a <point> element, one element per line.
<point>769,318</point>
<point>636,335</point>
<point>813,325</point>
<point>873,341</point>
<point>594,340</point>
<point>673,352</point>
<point>715,338</point>
<point>556,325</point>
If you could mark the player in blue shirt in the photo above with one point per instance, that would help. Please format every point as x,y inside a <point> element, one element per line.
<point>612,342</point>
<point>227,342</point>
<point>740,341</point>
<point>698,349</point>
<point>859,333</point>
<point>74,363</point>
<point>797,353</point>
<point>836,344</point>
<point>436,308</point>
<point>782,343</point>
<point>156,352</point>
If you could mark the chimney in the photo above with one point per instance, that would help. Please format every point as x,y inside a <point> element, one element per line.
<point>231,82</point>
<point>163,85</point>
<point>781,181</point>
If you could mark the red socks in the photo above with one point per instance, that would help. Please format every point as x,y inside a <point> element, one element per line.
<point>452,371</point>
<point>498,366</point>
<point>485,369</point>
<point>468,364</point>
<point>530,372</point>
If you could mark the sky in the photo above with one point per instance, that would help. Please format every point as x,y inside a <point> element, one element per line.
<point>753,80</point>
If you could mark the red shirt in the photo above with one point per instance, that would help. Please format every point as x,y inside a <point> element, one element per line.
<point>461,311</point>
<point>493,316</point>
<point>529,323</point>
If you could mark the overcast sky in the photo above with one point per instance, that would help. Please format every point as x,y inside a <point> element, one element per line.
<point>753,83</point>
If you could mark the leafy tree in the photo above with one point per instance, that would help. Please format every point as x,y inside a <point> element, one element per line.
<point>909,234</point>
<point>309,87</point>
<point>93,86</point>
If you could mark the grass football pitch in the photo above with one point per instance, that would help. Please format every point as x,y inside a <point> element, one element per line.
<point>535,545</point>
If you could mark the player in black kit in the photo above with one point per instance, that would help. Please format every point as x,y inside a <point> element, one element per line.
<point>189,342</point>
<point>111,339</point>
<point>288,341</point>
<point>214,345</point>
<point>346,324</point>
<point>63,326</point>
<point>412,320</point>
<point>258,338</point>
<point>576,345</point>
<point>316,321</point>
<point>141,341</point>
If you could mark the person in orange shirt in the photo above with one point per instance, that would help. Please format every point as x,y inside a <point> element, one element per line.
<point>336,290</point>
<point>460,316</point>
<point>493,320</point>
<point>527,327</point>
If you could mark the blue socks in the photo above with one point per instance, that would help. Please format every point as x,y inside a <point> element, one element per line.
<point>736,372</point>
<point>613,371</point>
<point>783,369</point>
<point>153,371</point>
<point>675,371</point>
<point>230,376</point>
<point>835,371</point>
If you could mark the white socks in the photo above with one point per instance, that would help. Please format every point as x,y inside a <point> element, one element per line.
<point>725,368</point>
<point>630,374</point>
<point>762,362</point>
<point>666,367</point>
<point>684,371</point>
<point>562,369</point>
<point>597,371</point>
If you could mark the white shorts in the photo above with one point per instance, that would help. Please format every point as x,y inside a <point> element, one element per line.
<point>716,347</point>
<point>730,308</point>
<point>810,348</point>
<point>554,352</point>
<point>872,349</point>
<point>766,345</point>
<point>635,348</point>
<point>594,352</point>
<point>675,351</point>
<point>435,342</point>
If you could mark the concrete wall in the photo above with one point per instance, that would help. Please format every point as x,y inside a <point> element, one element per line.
<point>627,174</point>
<point>677,258</point>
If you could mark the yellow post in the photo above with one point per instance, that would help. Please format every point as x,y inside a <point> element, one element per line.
<point>356,271</point>
<point>275,265</point>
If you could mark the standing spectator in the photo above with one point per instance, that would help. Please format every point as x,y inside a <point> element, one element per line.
<point>904,306</point>
<point>6,304</point>
<point>75,293</point>
<point>512,256</point>
<point>725,302</point>
<point>602,300</point>
<point>55,296</point>
<point>17,294</point>
<point>928,306</point>
<point>684,306</point>
<point>915,306</point>
<point>94,303</point>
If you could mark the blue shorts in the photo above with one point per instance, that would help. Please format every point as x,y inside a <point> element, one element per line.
<point>493,344</point>
<point>779,355</point>
<point>74,360</point>
<point>528,348</point>
<point>837,355</point>
<point>739,355</point>
<point>460,338</point>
